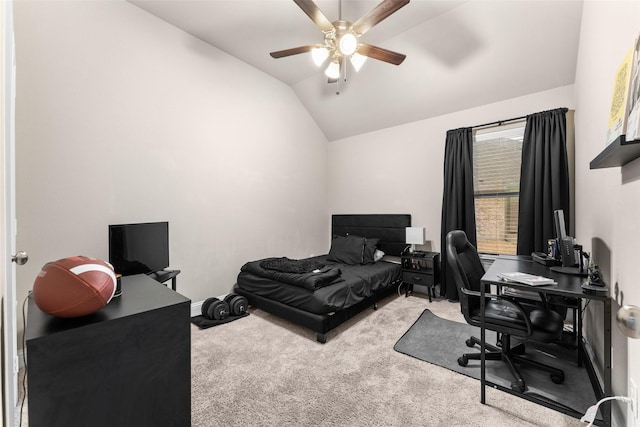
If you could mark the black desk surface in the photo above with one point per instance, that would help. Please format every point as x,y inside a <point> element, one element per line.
<point>568,285</point>
<point>140,294</point>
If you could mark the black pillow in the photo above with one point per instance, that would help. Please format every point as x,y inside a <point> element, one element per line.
<point>370,246</point>
<point>347,250</point>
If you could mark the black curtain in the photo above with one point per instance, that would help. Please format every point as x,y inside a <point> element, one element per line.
<point>544,179</point>
<point>458,209</point>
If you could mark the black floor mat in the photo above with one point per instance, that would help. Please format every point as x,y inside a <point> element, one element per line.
<point>204,323</point>
<point>441,342</point>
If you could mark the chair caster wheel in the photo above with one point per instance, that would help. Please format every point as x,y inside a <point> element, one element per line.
<point>557,378</point>
<point>469,342</point>
<point>518,386</point>
<point>463,360</point>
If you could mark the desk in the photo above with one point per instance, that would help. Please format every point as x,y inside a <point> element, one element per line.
<point>568,286</point>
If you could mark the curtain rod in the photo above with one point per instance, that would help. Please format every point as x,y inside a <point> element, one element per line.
<point>499,122</point>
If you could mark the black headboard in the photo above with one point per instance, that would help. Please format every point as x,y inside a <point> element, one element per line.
<point>389,228</point>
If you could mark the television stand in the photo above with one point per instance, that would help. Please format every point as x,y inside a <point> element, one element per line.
<point>163,276</point>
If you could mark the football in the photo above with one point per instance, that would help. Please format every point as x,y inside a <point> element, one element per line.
<point>74,286</point>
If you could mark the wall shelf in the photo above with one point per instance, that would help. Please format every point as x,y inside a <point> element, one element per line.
<point>618,153</point>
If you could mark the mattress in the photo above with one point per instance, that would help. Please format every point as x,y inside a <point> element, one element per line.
<point>355,283</point>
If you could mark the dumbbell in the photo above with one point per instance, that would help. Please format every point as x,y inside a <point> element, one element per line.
<point>237,304</point>
<point>214,309</point>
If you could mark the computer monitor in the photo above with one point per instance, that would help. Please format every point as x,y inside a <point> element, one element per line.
<point>564,242</point>
<point>139,248</point>
<point>558,222</point>
<point>565,246</point>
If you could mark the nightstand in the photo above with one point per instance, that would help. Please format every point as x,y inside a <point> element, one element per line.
<point>423,269</point>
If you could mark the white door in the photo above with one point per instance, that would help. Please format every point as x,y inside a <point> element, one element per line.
<point>8,224</point>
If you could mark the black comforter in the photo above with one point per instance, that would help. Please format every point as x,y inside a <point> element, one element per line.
<point>310,274</point>
<point>305,291</point>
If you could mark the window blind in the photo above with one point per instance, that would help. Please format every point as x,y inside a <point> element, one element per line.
<point>497,159</point>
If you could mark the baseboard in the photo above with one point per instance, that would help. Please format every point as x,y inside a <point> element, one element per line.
<point>618,410</point>
<point>196,308</point>
<point>21,357</point>
<point>591,354</point>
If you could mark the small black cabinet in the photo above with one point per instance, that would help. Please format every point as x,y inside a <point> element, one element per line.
<point>422,269</point>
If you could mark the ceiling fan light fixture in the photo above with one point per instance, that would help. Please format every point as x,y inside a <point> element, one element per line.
<point>348,44</point>
<point>319,55</point>
<point>333,70</point>
<point>357,61</point>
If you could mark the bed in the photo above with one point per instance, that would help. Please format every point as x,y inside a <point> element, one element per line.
<point>323,292</point>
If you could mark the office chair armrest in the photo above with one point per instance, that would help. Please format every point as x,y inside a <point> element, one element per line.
<point>525,296</point>
<point>509,300</point>
<point>543,299</point>
<point>514,302</point>
<point>477,293</point>
<point>513,299</point>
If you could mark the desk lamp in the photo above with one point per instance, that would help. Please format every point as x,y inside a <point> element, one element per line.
<point>414,236</point>
<point>628,319</point>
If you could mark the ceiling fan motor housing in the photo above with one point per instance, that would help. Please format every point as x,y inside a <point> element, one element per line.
<point>347,40</point>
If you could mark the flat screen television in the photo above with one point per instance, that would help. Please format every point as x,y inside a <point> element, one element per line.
<point>139,248</point>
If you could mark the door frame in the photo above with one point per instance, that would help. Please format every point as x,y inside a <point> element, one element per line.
<point>8,222</point>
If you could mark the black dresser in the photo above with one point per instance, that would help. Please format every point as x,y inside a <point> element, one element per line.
<point>129,364</point>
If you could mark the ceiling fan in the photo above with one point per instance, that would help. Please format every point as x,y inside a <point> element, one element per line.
<point>341,39</point>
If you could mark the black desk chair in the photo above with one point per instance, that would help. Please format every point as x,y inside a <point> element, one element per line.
<point>503,314</point>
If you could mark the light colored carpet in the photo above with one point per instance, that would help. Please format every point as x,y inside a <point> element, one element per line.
<point>264,371</point>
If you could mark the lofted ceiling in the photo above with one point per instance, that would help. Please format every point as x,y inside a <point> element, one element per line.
<point>460,54</point>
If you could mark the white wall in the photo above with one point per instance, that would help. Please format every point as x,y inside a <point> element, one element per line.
<point>4,251</point>
<point>123,118</point>
<point>400,169</point>
<point>607,200</point>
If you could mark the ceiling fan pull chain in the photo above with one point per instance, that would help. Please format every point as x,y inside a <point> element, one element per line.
<point>344,69</point>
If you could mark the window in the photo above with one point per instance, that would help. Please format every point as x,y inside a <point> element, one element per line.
<point>497,156</point>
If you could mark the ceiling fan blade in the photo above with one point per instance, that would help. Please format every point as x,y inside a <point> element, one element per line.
<point>316,15</point>
<point>292,51</point>
<point>377,14</point>
<point>381,54</point>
